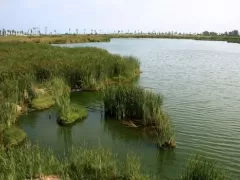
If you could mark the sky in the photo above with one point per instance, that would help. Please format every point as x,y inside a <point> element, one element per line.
<point>109,15</point>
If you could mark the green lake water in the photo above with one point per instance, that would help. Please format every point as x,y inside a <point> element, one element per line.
<point>200,81</point>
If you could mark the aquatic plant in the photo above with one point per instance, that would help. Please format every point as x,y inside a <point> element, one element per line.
<point>202,167</point>
<point>75,112</point>
<point>8,113</point>
<point>143,107</point>
<point>30,162</point>
<point>68,112</point>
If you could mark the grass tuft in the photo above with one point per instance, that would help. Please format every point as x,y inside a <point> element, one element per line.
<point>43,102</point>
<point>76,112</point>
<point>13,136</point>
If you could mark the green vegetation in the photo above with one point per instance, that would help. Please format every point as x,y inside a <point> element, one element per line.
<point>68,113</point>
<point>55,39</point>
<point>29,161</point>
<point>28,70</point>
<point>203,168</point>
<point>82,68</point>
<point>140,108</point>
<point>13,136</point>
<point>43,102</point>
<point>75,112</point>
<point>25,66</point>
<point>8,114</point>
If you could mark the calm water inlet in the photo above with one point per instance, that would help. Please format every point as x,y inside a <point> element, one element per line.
<point>200,81</point>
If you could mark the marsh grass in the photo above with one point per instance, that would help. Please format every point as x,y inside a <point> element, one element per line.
<point>13,136</point>
<point>43,102</point>
<point>143,107</point>
<point>68,112</point>
<point>76,112</point>
<point>8,114</point>
<point>203,168</point>
<point>30,161</point>
<point>82,67</point>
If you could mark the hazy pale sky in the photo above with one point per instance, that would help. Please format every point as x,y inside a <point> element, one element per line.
<point>109,15</point>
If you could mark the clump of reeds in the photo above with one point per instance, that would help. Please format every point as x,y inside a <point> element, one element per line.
<point>202,167</point>
<point>133,103</point>
<point>8,113</point>
<point>76,112</point>
<point>30,161</point>
<point>68,113</point>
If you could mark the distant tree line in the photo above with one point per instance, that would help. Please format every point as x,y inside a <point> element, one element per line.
<point>231,33</point>
<point>36,31</point>
<point>31,31</point>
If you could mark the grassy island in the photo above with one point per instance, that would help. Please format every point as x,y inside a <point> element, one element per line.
<point>140,108</point>
<point>75,112</point>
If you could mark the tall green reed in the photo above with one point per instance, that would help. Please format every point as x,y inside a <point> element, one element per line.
<point>61,93</point>
<point>141,106</point>
<point>202,167</point>
<point>30,161</point>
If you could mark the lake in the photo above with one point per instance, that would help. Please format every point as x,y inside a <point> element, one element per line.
<point>200,81</point>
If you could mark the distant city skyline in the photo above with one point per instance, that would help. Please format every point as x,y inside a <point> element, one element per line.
<point>108,16</point>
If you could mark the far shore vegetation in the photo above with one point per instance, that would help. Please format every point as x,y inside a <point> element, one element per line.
<point>36,76</point>
<point>74,36</point>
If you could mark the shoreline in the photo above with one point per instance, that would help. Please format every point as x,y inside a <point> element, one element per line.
<point>71,39</point>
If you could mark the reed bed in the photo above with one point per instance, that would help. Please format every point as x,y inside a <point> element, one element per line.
<point>31,162</point>
<point>23,66</point>
<point>144,108</point>
<point>203,168</point>
<point>83,68</point>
